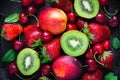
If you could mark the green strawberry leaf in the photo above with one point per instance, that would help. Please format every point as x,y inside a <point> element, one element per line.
<point>37,44</point>
<point>116,43</point>
<point>110,76</point>
<point>12,18</point>
<point>45,60</point>
<point>9,56</point>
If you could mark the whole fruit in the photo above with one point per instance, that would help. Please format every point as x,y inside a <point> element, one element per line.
<point>106,44</point>
<point>71,17</point>
<point>71,27</point>
<point>25,3</point>
<point>113,21</point>
<point>66,68</point>
<point>39,2</point>
<point>53,20</point>
<point>18,45</point>
<point>23,18</point>
<point>45,69</point>
<point>12,68</point>
<point>31,10</point>
<point>98,48</point>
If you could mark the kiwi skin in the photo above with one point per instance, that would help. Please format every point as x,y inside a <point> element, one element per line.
<point>84,42</point>
<point>23,54</point>
<point>86,14</point>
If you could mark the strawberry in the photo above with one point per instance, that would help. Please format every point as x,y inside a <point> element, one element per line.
<point>97,75</point>
<point>97,33</point>
<point>11,31</point>
<point>106,59</point>
<point>32,35</point>
<point>65,5</point>
<point>53,48</point>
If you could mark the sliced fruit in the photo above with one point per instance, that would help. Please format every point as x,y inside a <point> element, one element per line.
<point>86,8</point>
<point>74,43</point>
<point>28,61</point>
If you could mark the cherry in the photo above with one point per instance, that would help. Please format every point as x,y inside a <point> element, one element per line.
<point>25,3</point>
<point>101,17</point>
<point>98,48</point>
<point>31,10</point>
<point>12,68</point>
<point>91,65</point>
<point>103,2</point>
<point>113,21</point>
<point>46,36</point>
<point>89,53</point>
<point>39,2</point>
<point>23,18</point>
<point>106,44</point>
<point>80,23</point>
<point>71,17</point>
<point>71,27</point>
<point>18,45</point>
<point>45,69</point>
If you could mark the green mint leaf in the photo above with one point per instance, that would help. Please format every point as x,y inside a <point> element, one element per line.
<point>43,51</point>
<point>12,18</point>
<point>37,44</point>
<point>9,56</point>
<point>116,43</point>
<point>110,76</point>
<point>45,60</point>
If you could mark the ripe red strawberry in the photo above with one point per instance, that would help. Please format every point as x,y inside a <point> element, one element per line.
<point>98,33</point>
<point>107,59</point>
<point>65,5</point>
<point>32,35</point>
<point>53,48</point>
<point>11,31</point>
<point>97,75</point>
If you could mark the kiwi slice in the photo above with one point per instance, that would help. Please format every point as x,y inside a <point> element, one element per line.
<point>74,43</point>
<point>28,61</point>
<point>86,8</point>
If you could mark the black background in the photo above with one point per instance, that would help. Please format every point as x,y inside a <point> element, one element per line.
<point>7,7</point>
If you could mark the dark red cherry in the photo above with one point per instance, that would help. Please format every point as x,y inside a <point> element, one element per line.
<point>91,65</point>
<point>18,45</point>
<point>45,69</point>
<point>46,36</point>
<point>23,18</point>
<point>39,2</point>
<point>101,17</point>
<point>12,68</point>
<point>31,10</point>
<point>25,3</point>
<point>113,21</point>
<point>80,23</point>
<point>106,44</point>
<point>103,2</point>
<point>89,53</point>
<point>71,17</point>
<point>71,27</point>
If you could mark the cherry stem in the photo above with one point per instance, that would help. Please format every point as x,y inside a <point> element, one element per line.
<point>35,19</point>
<point>24,78</point>
<point>84,66</point>
<point>53,75</point>
<point>97,60</point>
<point>111,14</point>
<point>15,0</point>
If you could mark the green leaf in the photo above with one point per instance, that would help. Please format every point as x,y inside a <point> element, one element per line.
<point>110,76</point>
<point>116,43</point>
<point>37,44</point>
<point>12,18</point>
<point>45,60</point>
<point>9,56</point>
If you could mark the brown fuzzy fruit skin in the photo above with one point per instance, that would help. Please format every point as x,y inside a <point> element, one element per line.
<point>66,68</point>
<point>53,20</point>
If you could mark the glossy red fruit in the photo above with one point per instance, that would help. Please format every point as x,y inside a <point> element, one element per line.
<point>103,2</point>
<point>12,68</point>
<point>106,44</point>
<point>39,2</point>
<point>89,54</point>
<point>97,75</point>
<point>98,48</point>
<point>71,27</point>
<point>46,36</point>
<point>25,3</point>
<point>45,69</point>
<point>71,17</point>
<point>113,21</point>
<point>18,45</point>
<point>101,17</point>
<point>31,10</point>
<point>23,18</point>
<point>80,23</point>
<point>91,65</point>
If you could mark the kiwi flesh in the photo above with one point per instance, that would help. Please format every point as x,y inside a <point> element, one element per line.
<point>86,8</point>
<point>28,61</point>
<point>74,43</point>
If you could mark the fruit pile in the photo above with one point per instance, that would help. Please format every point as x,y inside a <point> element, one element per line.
<point>69,40</point>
